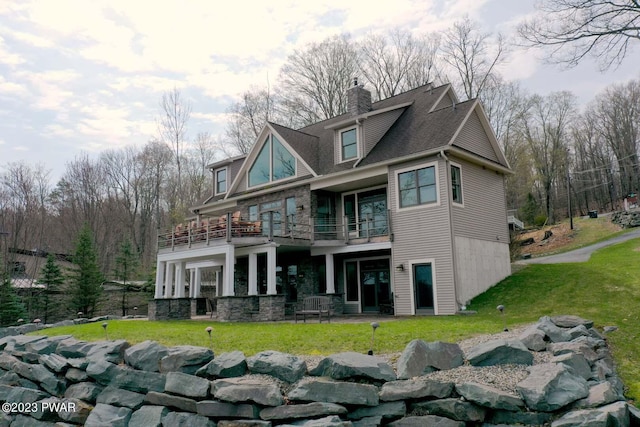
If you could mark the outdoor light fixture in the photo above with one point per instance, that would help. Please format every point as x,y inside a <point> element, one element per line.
<point>500,308</point>
<point>374,326</point>
<point>209,329</point>
<point>400,267</point>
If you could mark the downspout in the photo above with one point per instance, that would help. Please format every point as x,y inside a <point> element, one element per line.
<point>452,235</point>
<point>359,140</point>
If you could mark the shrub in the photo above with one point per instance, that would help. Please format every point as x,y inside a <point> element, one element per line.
<point>540,220</point>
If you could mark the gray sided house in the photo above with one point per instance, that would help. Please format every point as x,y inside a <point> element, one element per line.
<point>397,206</point>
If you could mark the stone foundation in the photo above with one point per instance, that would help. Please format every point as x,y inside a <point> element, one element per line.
<point>170,309</point>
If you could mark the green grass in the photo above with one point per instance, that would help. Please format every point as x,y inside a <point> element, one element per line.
<point>605,289</point>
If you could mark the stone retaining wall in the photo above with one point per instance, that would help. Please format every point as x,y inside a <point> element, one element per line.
<point>626,219</point>
<point>112,383</point>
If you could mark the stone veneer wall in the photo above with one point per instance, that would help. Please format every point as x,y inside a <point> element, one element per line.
<point>113,383</point>
<point>170,309</point>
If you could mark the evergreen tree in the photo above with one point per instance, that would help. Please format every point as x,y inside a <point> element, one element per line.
<point>126,264</point>
<point>11,309</point>
<point>51,277</point>
<point>86,281</point>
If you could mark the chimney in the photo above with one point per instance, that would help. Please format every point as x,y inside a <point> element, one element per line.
<point>358,99</point>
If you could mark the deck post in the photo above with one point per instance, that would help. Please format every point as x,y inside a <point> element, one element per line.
<point>253,274</point>
<point>168,279</point>
<point>228,273</point>
<point>160,267</point>
<point>329,267</point>
<point>271,270</point>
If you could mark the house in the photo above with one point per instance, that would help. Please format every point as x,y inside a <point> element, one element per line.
<point>396,206</point>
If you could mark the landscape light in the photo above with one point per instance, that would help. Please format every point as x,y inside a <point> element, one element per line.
<point>374,326</point>
<point>504,319</point>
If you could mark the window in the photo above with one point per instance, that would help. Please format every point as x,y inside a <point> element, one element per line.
<point>417,187</point>
<point>366,212</point>
<point>290,212</point>
<point>456,184</point>
<point>351,278</point>
<point>221,181</point>
<point>348,144</point>
<point>271,211</point>
<point>253,213</point>
<point>274,162</point>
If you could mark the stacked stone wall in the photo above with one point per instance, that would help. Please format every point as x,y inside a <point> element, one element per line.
<point>49,381</point>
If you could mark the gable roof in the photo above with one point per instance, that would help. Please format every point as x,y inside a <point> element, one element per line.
<point>423,120</point>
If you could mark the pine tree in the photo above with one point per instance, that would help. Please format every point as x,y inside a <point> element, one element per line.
<point>51,277</point>
<point>86,281</point>
<point>11,309</point>
<point>126,264</point>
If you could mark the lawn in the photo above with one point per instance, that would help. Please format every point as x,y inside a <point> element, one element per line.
<point>605,289</point>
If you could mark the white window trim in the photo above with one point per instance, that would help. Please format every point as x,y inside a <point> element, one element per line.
<point>271,180</point>
<point>413,168</point>
<point>215,178</point>
<point>412,288</point>
<point>339,143</point>
<point>461,185</point>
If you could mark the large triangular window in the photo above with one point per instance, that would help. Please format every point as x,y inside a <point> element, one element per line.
<point>273,162</point>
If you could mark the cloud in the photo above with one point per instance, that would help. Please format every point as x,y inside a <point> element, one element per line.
<point>7,57</point>
<point>11,88</point>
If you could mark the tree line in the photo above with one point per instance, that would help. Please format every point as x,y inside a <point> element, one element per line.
<point>558,151</point>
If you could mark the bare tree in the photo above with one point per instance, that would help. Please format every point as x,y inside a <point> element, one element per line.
<point>617,110</point>
<point>573,29</point>
<point>472,55</point>
<point>198,157</point>
<point>172,125</point>
<point>397,62</point>
<point>592,178</point>
<point>249,115</point>
<point>505,103</point>
<point>546,128</point>
<point>155,162</point>
<point>315,80</point>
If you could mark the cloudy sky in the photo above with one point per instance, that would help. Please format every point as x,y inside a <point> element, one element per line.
<point>84,76</point>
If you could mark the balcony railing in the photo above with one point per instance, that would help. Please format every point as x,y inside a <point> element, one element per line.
<point>231,226</point>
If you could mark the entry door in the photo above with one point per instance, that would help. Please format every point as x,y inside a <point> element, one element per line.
<point>423,287</point>
<point>375,283</point>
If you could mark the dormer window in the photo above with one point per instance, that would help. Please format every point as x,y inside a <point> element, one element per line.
<point>274,162</point>
<point>221,181</point>
<point>349,144</point>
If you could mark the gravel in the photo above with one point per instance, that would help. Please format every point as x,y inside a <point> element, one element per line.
<point>502,377</point>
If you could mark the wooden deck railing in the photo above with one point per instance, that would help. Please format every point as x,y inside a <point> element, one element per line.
<point>229,226</point>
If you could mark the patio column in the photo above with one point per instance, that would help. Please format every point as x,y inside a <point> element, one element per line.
<point>192,280</point>
<point>169,279</point>
<point>330,273</point>
<point>196,283</point>
<point>227,276</point>
<point>253,274</point>
<point>218,282</point>
<point>180,280</point>
<point>271,270</point>
<point>160,267</point>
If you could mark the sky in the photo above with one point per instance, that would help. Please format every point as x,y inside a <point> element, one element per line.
<point>80,77</point>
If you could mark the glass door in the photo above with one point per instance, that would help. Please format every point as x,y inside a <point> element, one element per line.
<point>375,283</point>
<point>423,287</point>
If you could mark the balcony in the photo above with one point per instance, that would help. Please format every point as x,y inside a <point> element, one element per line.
<point>232,228</point>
